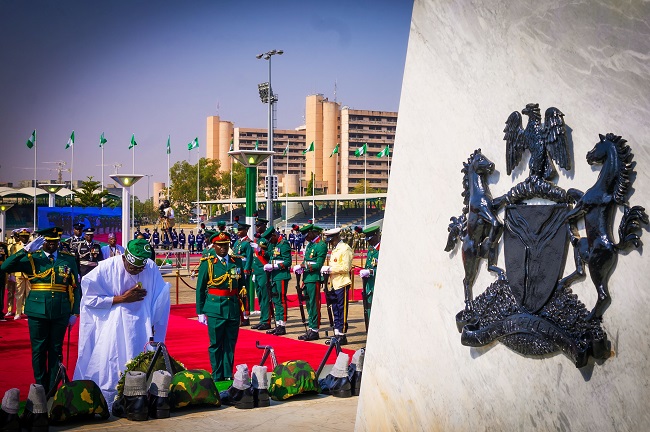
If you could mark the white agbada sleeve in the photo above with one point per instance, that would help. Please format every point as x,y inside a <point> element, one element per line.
<point>111,335</point>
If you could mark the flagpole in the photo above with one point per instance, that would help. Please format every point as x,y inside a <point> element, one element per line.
<point>365,183</point>
<point>35,150</point>
<point>198,169</point>
<point>102,146</point>
<point>231,190</point>
<point>336,188</point>
<point>132,221</point>
<point>71,188</point>
<point>313,190</point>
<point>168,181</point>
<point>286,193</point>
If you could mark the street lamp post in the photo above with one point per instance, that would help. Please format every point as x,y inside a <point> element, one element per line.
<point>125,181</point>
<point>270,99</point>
<point>148,176</point>
<point>52,189</point>
<point>3,219</point>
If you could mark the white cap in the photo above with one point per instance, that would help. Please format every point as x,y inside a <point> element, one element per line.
<point>333,231</point>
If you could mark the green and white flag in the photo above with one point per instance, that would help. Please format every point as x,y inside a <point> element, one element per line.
<point>257,143</point>
<point>32,140</point>
<point>311,148</point>
<point>169,148</point>
<point>384,152</point>
<point>102,141</point>
<point>194,144</point>
<point>133,142</point>
<point>70,141</point>
<point>361,150</point>
<point>335,151</point>
<point>286,150</point>
<point>232,145</point>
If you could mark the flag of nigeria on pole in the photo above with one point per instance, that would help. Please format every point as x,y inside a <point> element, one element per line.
<point>311,148</point>
<point>32,139</point>
<point>70,141</point>
<point>361,150</point>
<point>133,142</point>
<point>335,151</point>
<point>102,140</point>
<point>193,144</point>
<point>384,152</point>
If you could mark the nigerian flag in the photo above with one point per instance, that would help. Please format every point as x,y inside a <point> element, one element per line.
<point>133,142</point>
<point>286,150</point>
<point>169,148</point>
<point>384,152</point>
<point>257,143</point>
<point>311,148</point>
<point>70,141</point>
<point>361,150</point>
<point>194,144</point>
<point>335,151</point>
<point>32,140</point>
<point>102,140</point>
<point>232,145</point>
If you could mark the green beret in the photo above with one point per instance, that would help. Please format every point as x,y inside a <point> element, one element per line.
<point>242,226</point>
<point>209,233</point>
<point>137,251</point>
<point>268,232</point>
<point>221,223</point>
<point>53,233</point>
<point>305,228</point>
<point>316,228</point>
<point>371,230</point>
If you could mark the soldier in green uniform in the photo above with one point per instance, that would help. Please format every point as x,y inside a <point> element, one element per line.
<point>369,273</point>
<point>260,279</point>
<point>53,302</point>
<point>209,249</point>
<point>314,258</point>
<point>278,269</point>
<point>242,250</point>
<point>217,304</point>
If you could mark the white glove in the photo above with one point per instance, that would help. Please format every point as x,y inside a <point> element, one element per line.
<point>35,244</point>
<point>255,247</point>
<point>364,273</point>
<point>253,278</point>
<point>203,319</point>
<point>72,321</point>
<point>297,269</point>
<point>269,267</point>
<point>325,269</point>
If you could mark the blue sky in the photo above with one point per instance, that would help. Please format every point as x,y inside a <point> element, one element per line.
<point>159,68</point>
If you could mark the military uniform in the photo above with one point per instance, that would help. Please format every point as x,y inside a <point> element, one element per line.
<point>18,287</point>
<point>217,289</point>
<point>242,250</point>
<point>200,239</point>
<point>339,270</point>
<point>260,258</point>
<point>190,242</point>
<point>88,253</point>
<point>280,260</point>
<point>53,298</point>
<point>181,239</point>
<point>314,258</point>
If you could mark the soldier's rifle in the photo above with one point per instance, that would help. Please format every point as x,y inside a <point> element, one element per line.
<point>301,296</point>
<point>328,302</point>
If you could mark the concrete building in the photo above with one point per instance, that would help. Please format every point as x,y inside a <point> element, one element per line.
<point>327,125</point>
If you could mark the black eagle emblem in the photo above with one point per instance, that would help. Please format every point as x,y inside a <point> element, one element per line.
<point>547,142</point>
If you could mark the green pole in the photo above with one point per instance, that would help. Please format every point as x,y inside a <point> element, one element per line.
<point>251,206</point>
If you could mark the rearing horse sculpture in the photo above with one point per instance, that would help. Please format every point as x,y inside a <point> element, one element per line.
<point>478,227</point>
<point>597,206</point>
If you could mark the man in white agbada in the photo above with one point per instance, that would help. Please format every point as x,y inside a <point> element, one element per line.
<point>124,302</point>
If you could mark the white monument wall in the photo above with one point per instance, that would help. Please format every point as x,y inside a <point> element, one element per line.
<point>469,65</point>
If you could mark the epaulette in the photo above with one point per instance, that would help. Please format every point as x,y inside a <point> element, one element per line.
<point>65,252</point>
<point>207,257</point>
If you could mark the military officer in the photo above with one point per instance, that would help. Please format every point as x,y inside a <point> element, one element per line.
<point>278,270</point>
<point>217,304</point>
<point>242,249</point>
<point>181,239</point>
<point>369,272</point>
<point>314,258</point>
<point>261,280</point>
<point>208,250</point>
<point>260,225</point>
<point>18,287</point>
<point>53,302</point>
<point>339,271</point>
<point>200,239</point>
<point>191,239</point>
<point>174,238</point>
<point>70,244</point>
<point>88,252</point>
<point>155,238</point>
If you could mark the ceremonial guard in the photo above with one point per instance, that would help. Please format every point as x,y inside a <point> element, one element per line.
<point>4,254</point>
<point>243,251</point>
<point>260,225</point>
<point>217,305</point>
<point>18,286</point>
<point>181,239</point>
<point>369,272</point>
<point>339,271</point>
<point>261,281</point>
<point>174,238</point>
<point>278,270</point>
<point>53,302</point>
<point>112,248</point>
<point>200,239</point>
<point>208,250</point>
<point>314,258</point>
<point>88,252</point>
<point>70,244</point>
<point>155,238</point>
<point>190,241</point>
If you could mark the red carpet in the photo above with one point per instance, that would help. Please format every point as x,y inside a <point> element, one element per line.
<point>187,341</point>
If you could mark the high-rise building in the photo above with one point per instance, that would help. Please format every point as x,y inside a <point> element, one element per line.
<point>328,126</point>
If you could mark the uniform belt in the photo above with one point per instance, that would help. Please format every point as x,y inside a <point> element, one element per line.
<point>221,292</point>
<point>48,287</point>
<point>88,263</point>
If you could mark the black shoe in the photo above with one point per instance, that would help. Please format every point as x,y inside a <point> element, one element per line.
<point>9,422</point>
<point>261,326</point>
<point>136,408</point>
<point>310,335</point>
<point>261,398</point>
<point>355,379</point>
<point>34,422</point>
<point>341,339</point>
<point>159,407</point>
<point>338,387</point>
<point>242,399</point>
<point>279,331</point>
<point>245,322</point>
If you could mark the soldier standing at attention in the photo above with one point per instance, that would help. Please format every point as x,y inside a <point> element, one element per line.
<point>217,305</point>
<point>339,269</point>
<point>88,252</point>
<point>71,243</point>
<point>190,241</point>
<point>242,250</point>
<point>369,273</point>
<point>53,302</point>
<point>181,239</point>
<point>260,279</point>
<point>314,258</point>
<point>278,270</point>
<point>155,237</point>
<point>200,239</point>
<point>18,288</point>
<point>174,238</point>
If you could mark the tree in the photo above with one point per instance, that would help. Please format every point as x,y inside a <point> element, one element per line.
<point>144,211</point>
<point>359,188</point>
<point>87,195</point>
<point>238,181</point>
<point>183,188</point>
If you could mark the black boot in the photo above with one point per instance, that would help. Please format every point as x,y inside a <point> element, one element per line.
<point>279,330</point>
<point>261,326</point>
<point>135,396</point>
<point>34,417</point>
<point>310,335</point>
<point>242,399</point>
<point>355,371</point>
<point>337,382</point>
<point>159,406</point>
<point>9,420</point>
<point>260,387</point>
